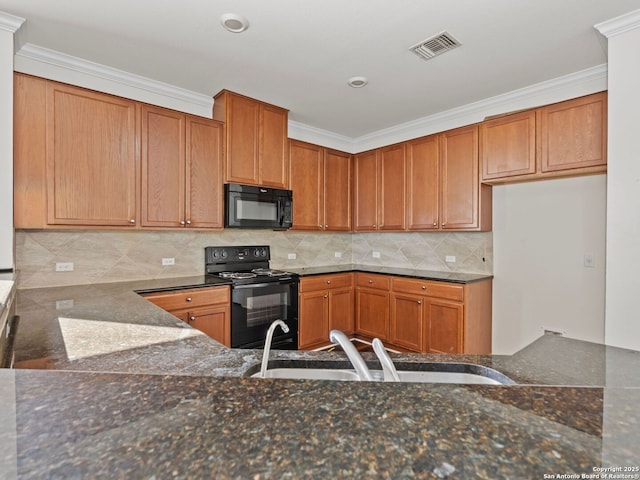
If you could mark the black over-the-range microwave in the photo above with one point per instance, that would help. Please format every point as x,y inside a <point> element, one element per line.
<point>248,206</point>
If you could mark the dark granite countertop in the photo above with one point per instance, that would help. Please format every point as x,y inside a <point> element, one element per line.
<point>131,392</point>
<point>454,277</point>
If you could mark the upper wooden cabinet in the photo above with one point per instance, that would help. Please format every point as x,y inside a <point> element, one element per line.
<point>181,170</point>
<point>566,138</point>
<point>443,183</point>
<point>256,140</point>
<point>75,158</point>
<point>95,160</point>
<point>321,185</point>
<point>379,189</point>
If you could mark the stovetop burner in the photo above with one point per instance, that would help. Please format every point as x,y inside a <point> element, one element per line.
<point>269,272</point>
<point>237,275</point>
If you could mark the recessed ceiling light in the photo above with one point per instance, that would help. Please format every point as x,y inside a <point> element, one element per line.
<point>358,82</point>
<point>234,23</point>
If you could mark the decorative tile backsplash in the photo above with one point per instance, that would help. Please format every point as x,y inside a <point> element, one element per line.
<point>116,255</point>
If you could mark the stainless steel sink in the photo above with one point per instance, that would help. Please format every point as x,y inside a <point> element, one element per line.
<point>310,374</point>
<point>457,373</point>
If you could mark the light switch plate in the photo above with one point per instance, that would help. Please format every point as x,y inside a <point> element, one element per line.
<point>292,256</point>
<point>376,254</point>
<point>450,259</point>
<point>588,260</point>
<point>168,261</point>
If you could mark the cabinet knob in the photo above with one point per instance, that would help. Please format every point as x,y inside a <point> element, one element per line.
<point>444,224</point>
<point>192,318</point>
<point>419,302</point>
<point>189,299</point>
<point>326,296</point>
<point>374,226</point>
<point>370,281</point>
<point>435,224</point>
<point>424,287</point>
<point>188,222</point>
<point>182,222</point>
<point>328,281</point>
<point>132,221</point>
<point>326,226</point>
<point>320,227</point>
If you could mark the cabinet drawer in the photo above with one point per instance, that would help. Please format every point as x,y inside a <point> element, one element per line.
<point>372,281</point>
<point>429,288</point>
<point>193,298</point>
<point>322,282</point>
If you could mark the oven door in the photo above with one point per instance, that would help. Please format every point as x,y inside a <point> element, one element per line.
<point>255,306</point>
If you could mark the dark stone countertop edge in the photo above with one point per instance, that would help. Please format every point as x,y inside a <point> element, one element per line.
<point>453,277</point>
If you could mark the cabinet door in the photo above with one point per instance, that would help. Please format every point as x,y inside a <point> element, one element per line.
<point>372,312</point>
<point>91,158</point>
<point>365,183</point>
<point>423,186</point>
<point>444,322</point>
<point>508,146</point>
<point>204,195</point>
<point>392,188</point>
<point>341,310</point>
<point>459,178</point>
<point>573,134</point>
<point>214,321</point>
<point>406,328</point>
<point>337,191</point>
<point>313,327</point>
<point>307,185</point>
<point>163,167</point>
<point>274,160</point>
<point>242,124</point>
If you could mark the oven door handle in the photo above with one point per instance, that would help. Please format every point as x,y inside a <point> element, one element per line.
<point>255,285</point>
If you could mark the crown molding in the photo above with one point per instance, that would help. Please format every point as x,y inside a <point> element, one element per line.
<point>526,97</point>
<point>10,23</point>
<point>308,133</point>
<point>586,81</point>
<point>622,24</point>
<point>79,65</point>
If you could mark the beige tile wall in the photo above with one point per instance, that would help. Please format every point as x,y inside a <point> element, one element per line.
<point>112,256</point>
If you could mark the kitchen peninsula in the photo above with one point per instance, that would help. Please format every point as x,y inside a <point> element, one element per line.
<point>163,400</point>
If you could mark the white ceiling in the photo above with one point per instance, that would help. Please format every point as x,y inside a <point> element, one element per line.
<point>298,54</point>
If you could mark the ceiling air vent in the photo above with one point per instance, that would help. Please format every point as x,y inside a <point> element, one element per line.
<point>431,47</point>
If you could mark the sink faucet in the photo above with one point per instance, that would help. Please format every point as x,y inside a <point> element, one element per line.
<point>388,368</point>
<point>267,344</point>
<point>336,336</point>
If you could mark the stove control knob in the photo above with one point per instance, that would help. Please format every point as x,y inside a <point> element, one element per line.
<point>256,253</point>
<point>223,254</point>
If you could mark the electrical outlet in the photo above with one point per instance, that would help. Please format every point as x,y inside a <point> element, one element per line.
<point>64,267</point>
<point>376,254</point>
<point>450,259</point>
<point>63,304</point>
<point>337,254</point>
<point>292,256</point>
<point>168,261</point>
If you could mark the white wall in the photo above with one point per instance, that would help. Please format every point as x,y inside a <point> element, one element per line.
<point>8,25</point>
<point>623,210</point>
<point>541,231</point>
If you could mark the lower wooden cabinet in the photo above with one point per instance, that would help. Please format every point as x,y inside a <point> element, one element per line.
<point>325,304</point>
<point>441,317</point>
<point>372,305</point>
<point>406,313</point>
<point>206,309</point>
<point>406,324</point>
